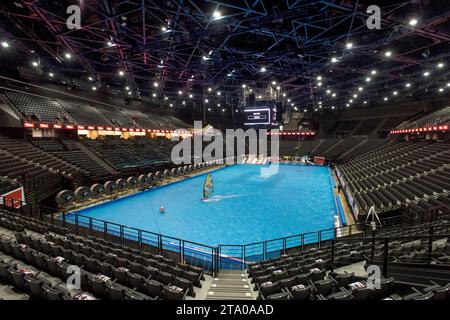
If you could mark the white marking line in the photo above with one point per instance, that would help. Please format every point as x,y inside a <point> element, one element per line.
<point>210,293</point>
<point>248,294</point>
<point>244,279</point>
<point>214,285</point>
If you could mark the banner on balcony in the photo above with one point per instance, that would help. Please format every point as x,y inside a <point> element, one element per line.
<point>13,199</point>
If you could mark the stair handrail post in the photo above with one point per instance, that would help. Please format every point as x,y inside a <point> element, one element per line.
<point>430,244</point>
<point>385,257</point>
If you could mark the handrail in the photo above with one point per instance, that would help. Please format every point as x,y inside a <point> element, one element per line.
<point>232,255</point>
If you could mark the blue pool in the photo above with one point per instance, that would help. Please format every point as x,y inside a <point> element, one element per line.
<point>244,208</point>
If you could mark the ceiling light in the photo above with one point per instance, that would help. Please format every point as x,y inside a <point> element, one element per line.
<point>171,105</point>
<point>351,101</point>
<point>191,96</point>
<point>5,44</point>
<point>408,85</point>
<point>206,100</point>
<point>217,14</point>
<point>68,55</point>
<point>360,89</point>
<point>388,54</point>
<point>365,102</point>
<point>95,88</point>
<point>347,105</point>
<point>334,95</point>
<point>426,74</point>
<point>441,89</point>
<point>373,72</point>
<point>127,88</point>
<point>263,69</point>
<point>355,96</point>
<point>284,95</point>
<point>219,93</point>
<point>319,78</point>
<point>274,82</point>
<point>51,74</point>
<point>440,65</point>
<point>154,95</point>
<point>328,91</point>
<point>448,84</point>
<point>35,64</point>
<point>209,89</point>
<point>121,73</point>
<point>349,45</point>
<point>166,98</point>
<point>386,98</point>
<point>368,79</point>
<point>332,108</point>
<point>243,86</point>
<point>319,84</point>
<point>395,93</point>
<point>334,60</point>
<point>413,22</point>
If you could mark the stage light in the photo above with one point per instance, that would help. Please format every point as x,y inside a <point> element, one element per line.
<point>217,14</point>
<point>154,95</point>
<point>440,65</point>
<point>95,88</point>
<point>219,93</point>
<point>243,86</point>
<point>206,100</point>
<point>263,69</point>
<point>373,72</point>
<point>333,107</point>
<point>155,84</point>
<point>360,89</point>
<point>319,84</point>
<point>347,105</point>
<point>68,56</point>
<point>284,95</point>
<point>166,98</point>
<point>388,54</point>
<point>209,89</point>
<point>395,93</point>
<point>441,89</point>
<point>319,78</point>
<point>121,73</point>
<point>349,45</point>
<point>334,95</point>
<point>51,74</point>
<point>334,60</point>
<point>274,83</point>
<point>191,96</point>
<point>413,22</point>
<point>171,105</point>
<point>5,44</point>
<point>426,74</point>
<point>368,79</point>
<point>35,64</point>
<point>448,84</point>
<point>127,88</point>
<point>408,85</point>
<point>386,98</point>
<point>180,93</point>
<point>365,102</point>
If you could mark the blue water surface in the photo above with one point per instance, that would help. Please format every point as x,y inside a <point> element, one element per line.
<point>246,207</point>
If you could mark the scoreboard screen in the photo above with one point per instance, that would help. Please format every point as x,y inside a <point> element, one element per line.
<point>256,117</point>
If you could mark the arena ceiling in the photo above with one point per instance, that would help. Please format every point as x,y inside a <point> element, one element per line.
<point>320,53</point>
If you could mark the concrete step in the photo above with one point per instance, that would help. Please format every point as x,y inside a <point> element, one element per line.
<point>231,285</point>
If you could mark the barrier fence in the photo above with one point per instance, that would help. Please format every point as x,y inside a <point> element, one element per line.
<point>209,258</point>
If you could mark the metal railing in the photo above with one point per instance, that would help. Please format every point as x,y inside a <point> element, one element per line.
<point>211,259</point>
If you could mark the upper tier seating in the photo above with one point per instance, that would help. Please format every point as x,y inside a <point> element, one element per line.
<point>399,173</point>
<point>38,108</point>
<point>438,117</point>
<point>84,114</point>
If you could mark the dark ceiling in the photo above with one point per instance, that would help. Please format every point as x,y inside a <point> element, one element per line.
<point>296,41</point>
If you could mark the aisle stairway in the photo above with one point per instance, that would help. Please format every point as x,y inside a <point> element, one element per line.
<point>231,285</point>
